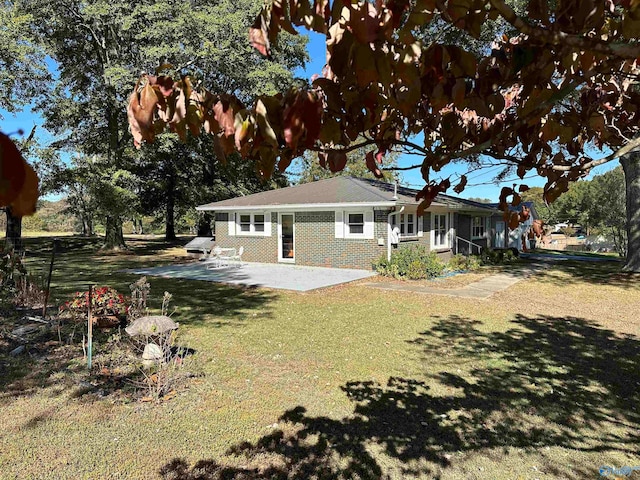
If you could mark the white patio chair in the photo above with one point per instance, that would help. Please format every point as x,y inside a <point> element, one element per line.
<point>213,260</point>
<point>237,258</point>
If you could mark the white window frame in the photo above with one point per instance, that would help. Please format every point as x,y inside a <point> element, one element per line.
<point>347,233</point>
<point>483,225</point>
<point>445,228</point>
<point>252,224</point>
<point>403,224</point>
<point>342,224</point>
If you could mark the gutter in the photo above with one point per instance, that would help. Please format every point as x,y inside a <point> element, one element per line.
<point>294,206</point>
<point>389,231</point>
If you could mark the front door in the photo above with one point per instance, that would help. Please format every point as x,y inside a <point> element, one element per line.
<point>499,236</point>
<point>286,238</point>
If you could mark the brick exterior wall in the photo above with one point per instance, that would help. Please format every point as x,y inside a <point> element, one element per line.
<point>315,242</point>
<point>256,249</point>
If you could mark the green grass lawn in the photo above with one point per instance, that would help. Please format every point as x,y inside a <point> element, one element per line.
<point>540,381</point>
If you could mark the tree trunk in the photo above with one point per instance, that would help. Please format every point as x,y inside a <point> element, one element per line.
<point>170,231</point>
<point>87,226</point>
<point>204,225</point>
<point>140,229</point>
<point>113,237</point>
<point>13,232</point>
<point>631,166</point>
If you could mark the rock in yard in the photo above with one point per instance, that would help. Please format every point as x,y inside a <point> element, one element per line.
<point>152,354</point>
<point>151,325</point>
<point>25,330</point>
<point>17,351</point>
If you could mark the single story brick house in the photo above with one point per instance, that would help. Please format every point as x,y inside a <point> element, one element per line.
<point>348,222</point>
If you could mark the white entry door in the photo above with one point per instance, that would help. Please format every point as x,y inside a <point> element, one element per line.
<point>498,239</point>
<point>286,237</point>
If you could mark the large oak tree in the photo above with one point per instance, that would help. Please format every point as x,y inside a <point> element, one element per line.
<point>99,46</point>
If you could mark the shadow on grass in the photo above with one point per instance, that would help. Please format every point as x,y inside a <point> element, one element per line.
<point>547,382</point>
<point>78,264</point>
<point>566,272</point>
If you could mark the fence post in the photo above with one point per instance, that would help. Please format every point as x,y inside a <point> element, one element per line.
<point>90,328</point>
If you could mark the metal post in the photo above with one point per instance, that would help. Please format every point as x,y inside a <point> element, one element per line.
<point>90,328</point>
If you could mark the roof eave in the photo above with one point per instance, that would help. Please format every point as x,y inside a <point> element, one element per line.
<point>297,206</point>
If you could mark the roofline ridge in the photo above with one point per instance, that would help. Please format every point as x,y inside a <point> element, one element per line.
<point>377,192</point>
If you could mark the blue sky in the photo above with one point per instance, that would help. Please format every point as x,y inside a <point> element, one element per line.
<point>25,120</point>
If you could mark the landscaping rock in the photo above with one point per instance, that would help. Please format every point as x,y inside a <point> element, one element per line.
<point>25,330</point>
<point>152,354</point>
<point>151,325</point>
<point>17,351</point>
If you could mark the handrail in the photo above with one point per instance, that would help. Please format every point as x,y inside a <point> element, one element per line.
<point>471,245</point>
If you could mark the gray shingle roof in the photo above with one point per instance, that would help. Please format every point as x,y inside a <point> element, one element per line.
<point>337,190</point>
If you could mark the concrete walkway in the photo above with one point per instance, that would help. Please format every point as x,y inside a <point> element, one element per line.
<point>482,289</point>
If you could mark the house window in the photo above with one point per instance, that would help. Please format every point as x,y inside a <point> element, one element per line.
<point>355,224</point>
<point>245,223</point>
<point>478,227</point>
<point>408,225</point>
<point>440,228</point>
<point>258,223</point>
<point>251,223</point>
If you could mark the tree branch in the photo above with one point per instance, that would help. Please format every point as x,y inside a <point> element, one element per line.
<point>631,146</point>
<point>621,49</point>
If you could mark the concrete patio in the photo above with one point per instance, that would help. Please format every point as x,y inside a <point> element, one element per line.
<point>285,277</point>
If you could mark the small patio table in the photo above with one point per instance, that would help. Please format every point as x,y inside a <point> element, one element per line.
<point>222,258</point>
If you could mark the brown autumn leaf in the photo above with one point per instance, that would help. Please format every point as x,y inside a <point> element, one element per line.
<point>460,186</point>
<point>538,228</point>
<point>322,159</point>
<point>164,83</point>
<point>302,119</point>
<point>371,165</point>
<point>514,220</point>
<point>504,193</point>
<point>336,160</point>
<point>293,124</point>
<point>364,24</point>
<point>225,116</point>
<point>263,124</point>
<point>140,111</point>
<point>244,129</point>
<point>259,35</point>
<point>25,203</point>
<point>312,118</point>
<point>285,160</point>
<point>12,170</point>
<point>429,193</point>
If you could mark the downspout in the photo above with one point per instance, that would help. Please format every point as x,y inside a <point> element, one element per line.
<point>389,231</point>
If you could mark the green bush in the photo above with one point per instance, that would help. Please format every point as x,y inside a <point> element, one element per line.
<point>459,263</point>
<point>499,256</point>
<point>413,263</point>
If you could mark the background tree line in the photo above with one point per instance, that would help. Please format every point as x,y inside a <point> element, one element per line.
<point>597,205</point>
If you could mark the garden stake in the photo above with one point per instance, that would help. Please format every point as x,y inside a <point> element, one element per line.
<point>90,328</point>
<point>46,293</point>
